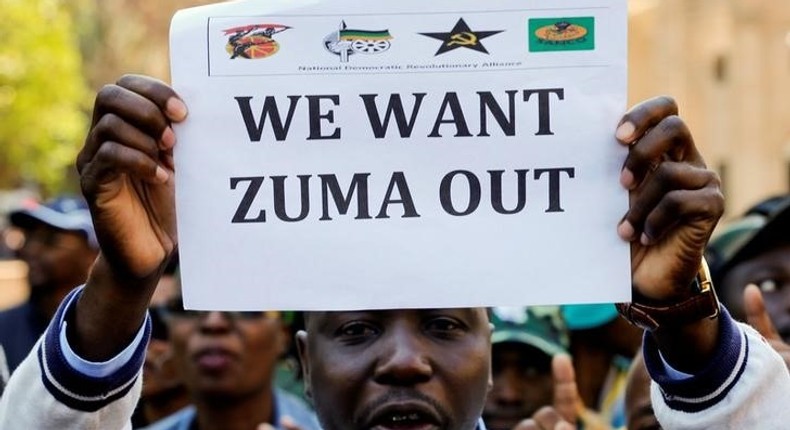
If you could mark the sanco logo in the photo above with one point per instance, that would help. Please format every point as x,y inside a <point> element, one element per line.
<point>561,34</point>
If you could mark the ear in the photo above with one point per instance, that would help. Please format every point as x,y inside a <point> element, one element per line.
<point>490,359</point>
<point>303,349</point>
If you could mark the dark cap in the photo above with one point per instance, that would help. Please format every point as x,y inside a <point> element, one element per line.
<point>64,213</point>
<point>538,326</point>
<point>762,227</point>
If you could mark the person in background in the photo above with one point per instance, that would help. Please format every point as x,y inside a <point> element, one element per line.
<point>59,248</point>
<point>163,389</point>
<point>227,361</point>
<point>523,343</point>
<point>602,345</point>
<point>755,249</point>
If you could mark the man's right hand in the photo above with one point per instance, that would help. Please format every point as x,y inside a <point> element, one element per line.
<point>126,173</point>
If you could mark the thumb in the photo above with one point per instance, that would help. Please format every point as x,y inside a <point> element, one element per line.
<point>756,315</point>
<point>265,426</point>
<point>567,401</point>
<point>289,424</point>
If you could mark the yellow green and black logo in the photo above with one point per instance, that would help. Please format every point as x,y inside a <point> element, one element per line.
<point>561,34</point>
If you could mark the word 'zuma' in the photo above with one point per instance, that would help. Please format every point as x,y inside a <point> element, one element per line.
<point>334,202</point>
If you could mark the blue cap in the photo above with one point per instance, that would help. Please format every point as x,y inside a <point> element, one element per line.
<point>64,213</point>
<point>583,317</point>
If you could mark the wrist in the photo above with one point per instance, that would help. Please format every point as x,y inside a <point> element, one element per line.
<point>109,312</point>
<point>698,302</point>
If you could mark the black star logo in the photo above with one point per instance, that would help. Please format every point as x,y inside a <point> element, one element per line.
<point>461,36</point>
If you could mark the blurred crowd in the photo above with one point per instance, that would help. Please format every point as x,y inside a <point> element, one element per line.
<point>221,364</point>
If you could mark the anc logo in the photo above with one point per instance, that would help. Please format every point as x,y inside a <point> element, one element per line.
<point>253,41</point>
<point>346,42</point>
<point>561,34</point>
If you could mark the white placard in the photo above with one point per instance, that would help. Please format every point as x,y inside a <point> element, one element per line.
<point>349,154</point>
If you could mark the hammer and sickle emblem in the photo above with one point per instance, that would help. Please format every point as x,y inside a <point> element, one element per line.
<point>464,39</point>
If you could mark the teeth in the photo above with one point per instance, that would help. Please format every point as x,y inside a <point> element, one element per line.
<point>405,417</point>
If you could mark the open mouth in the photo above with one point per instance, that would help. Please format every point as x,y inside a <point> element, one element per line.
<point>405,417</point>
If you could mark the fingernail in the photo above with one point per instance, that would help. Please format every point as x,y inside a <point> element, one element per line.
<point>644,239</point>
<point>625,132</point>
<point>168,138</point>
<point>625,230</point>
<point>626,178</point>
<point>161,174</point>
<point>175,109</point>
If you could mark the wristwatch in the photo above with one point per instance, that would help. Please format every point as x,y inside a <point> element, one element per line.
<point>703,304</point>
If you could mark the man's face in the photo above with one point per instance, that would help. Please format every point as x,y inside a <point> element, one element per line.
<point>226,355</point>
<point>638,407</point>
<point>55,258</point>
<point>425,369</point>
<point>771,272</point>
<point>522,384</point>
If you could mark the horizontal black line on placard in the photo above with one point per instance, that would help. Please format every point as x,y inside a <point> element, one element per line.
<point>417,13</point>
<point>407,72</point>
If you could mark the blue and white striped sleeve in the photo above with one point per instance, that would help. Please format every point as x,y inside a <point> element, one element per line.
<point>53,388</point>
<point>741,387</point>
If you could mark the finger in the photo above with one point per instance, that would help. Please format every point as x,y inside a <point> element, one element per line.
<point>288,423</point>
<point>135,109</point>
<point>567,401</point>
<point>667,177</point>
<point>158,92</point>
<point>756,314</point>
<point>529,424</point>
<point>265,426</point>
<point>705,204</point>
<point>111,127</point>
<point>670,139</point>
<point>548,418</point>
<point>644,116</point>
<point>113,160</point>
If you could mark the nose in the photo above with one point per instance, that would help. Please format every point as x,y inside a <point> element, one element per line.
<point>507,391</point>
<point>405,359</point>
<point>215,322</point>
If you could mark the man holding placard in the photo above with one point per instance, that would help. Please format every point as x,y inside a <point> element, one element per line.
<point>469,99</point>
<point>396,368</point>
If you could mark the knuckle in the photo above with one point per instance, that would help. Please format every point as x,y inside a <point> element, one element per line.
<point>127,80</point>
<point>672,203</point>
<point>106,96</point>
<point>667,101</point>
<point>107,151</point>
<point>673,125</point>
<point>106,127</point>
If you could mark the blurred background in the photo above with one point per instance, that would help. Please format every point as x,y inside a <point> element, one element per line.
<point>727,63</point>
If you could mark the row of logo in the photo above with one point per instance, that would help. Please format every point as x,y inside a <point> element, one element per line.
<point>545,34</point>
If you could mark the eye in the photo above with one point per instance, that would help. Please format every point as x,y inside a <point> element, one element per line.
<point>768,285</point>
<point>445,326</point>
<point>356,331</point>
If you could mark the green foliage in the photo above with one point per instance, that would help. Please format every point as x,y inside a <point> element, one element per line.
<point>43,97</point>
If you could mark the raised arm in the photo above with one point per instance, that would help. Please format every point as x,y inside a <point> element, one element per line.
<point>126,174</point>
<point>708,371</point>
<point>675,204</point>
